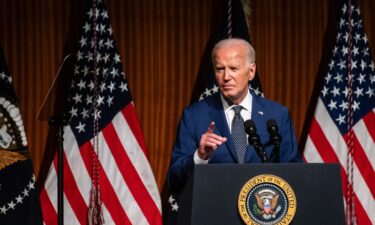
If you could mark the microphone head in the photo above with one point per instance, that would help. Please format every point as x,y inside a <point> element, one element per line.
<point>272,126</point>
<point>250,127</point>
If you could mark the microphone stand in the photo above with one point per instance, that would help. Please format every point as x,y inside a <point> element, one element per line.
<point>259,149</point>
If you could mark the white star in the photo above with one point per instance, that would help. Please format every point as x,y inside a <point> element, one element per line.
<point>86,27</point>
<point>342,22</point>
<point>109,43</point>
<point>344,50</point>
<point>361,78</point>
<point>102,87</point>
<point>111,87</point>
<point>101,44</point>
<point>102,28</point>
<point>9,79</point>
<point>171,199</point>
<point>358,92</point>
<point>332,63</point>
<point>104,14</point>
<point>215,89</point>
<point>77,98</point>
<point>346,36</point>
<point>324,91</point>
<point>338,78</point>
<point>100,100</point>
<point>355,51</point>
<point>365,38</point>
<point>110,30</point>
<point>19,199</point>
<point>334,53</point>
<point>85,71</point>
<point>365,52</point>
<point>175,207</point>
<point>354,64</point>
<point>79,55</point>
<point>88,99</point>
<point>117,58</point>
<point>207,92</point>
<point>3,210</point>
<point>370,92</point>
<point>89,56</point>
<point>344,9</point>
<point>98,57</point>
<point>341,119</point>
<point>90,13</point>
<point>335,91</point>
<point>31,185</point>
<point>109,101</point>
<point>11,205</point>
<point>91,85</point>
<point>81,84</point>
<point>124,87</point>
<point>83,41</point>
<point>3,75</point>
<point>76,70</point>
<point>341,64</point>
<point>81,127</point>
<point>85,113</point>
<point>355,105</point>
<point>357,37</point>
<point>73,112</point>
<point>346,91</point>
<point>363,65</point>
<point>343,105</point>
<point>97,115</point>
<point>106,58</point>
<point>332,105</point>
<point>114,72</point>
<point>372,78</point>
<point>372,66</point>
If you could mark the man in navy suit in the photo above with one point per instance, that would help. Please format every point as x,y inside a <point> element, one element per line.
<point>206,132</point>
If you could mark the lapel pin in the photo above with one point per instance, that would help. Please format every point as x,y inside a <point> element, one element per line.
<point>260,112</point>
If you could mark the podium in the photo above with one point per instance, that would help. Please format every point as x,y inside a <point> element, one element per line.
<point>211,195</point>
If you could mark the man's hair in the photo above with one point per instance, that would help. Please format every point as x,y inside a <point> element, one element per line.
<point>233,42</point>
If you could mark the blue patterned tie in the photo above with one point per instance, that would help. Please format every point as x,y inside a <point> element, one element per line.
<point>238,134</point>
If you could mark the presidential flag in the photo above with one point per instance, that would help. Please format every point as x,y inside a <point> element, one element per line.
<point>19,203</point>
<point>343,128</point>
<point>107,176</point>
<point>233,25</point>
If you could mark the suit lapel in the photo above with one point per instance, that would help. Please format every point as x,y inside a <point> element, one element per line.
<point>218,116</point>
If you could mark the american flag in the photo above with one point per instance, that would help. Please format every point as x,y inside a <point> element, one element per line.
<point>103,142</point>
<point>343,128</point>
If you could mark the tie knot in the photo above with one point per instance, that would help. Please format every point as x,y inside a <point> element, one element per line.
<point>237,109</point>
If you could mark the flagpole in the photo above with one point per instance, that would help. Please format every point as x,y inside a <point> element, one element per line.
<point>60,123</point>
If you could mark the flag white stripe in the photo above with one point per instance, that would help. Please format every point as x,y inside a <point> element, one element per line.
<point>366,141</point>
<point>310,152</point>
<point>69,215</point>
<point>335,139</point>
<point>79,171</point>
<point>50,186</point>
<point>119,185</point>
<point>136,155</point>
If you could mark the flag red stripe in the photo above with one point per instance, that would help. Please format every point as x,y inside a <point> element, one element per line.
<point>134,182</point>
<point>49,213</point>
<point>362,217</point>
<point>328,155</point>
<point>131,117</point>
<point>72,193</point>
<point>369,121</point>
<point>108,194</point>
<point>322,145</point>
<point>363,165</point>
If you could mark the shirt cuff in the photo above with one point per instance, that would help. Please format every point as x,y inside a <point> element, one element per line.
<point>198,160</point>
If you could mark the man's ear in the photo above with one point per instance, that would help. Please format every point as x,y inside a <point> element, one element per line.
<point>252,70</point>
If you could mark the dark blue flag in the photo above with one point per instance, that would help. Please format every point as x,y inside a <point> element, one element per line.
<point>19,202</point>
<point>233,24</point>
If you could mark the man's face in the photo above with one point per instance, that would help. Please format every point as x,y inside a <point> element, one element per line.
<point>232,72</point>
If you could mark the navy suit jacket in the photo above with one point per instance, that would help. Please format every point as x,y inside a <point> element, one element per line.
<point>196,119</point>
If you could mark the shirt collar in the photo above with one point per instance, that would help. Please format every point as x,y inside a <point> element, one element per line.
<point>246,102</point>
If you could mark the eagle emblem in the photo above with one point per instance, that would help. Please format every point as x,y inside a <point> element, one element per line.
<point>267,203</point>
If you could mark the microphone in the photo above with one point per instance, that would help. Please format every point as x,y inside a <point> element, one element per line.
<point>273,130</point>
<point>254,139</point>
